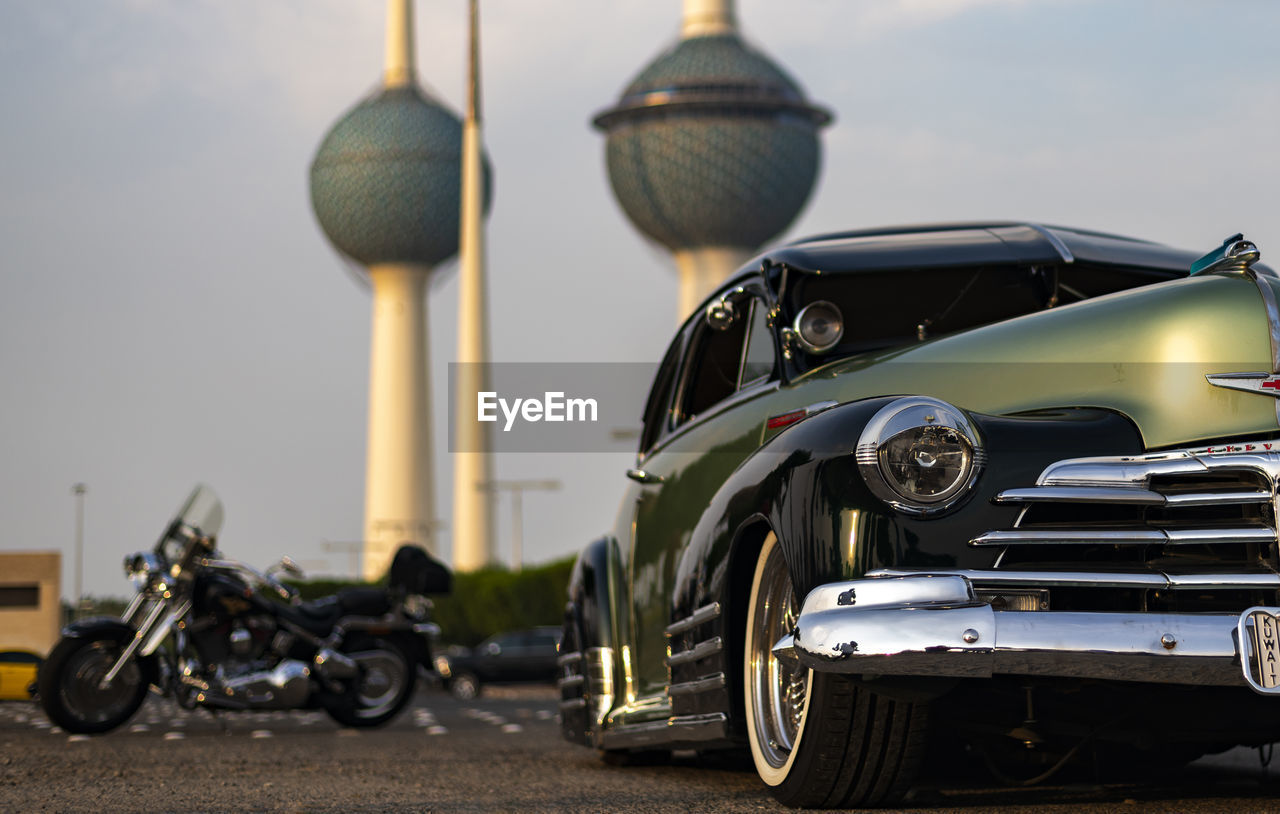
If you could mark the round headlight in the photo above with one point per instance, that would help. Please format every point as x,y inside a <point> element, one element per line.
<point>920,455</point>
<point>819,326</point>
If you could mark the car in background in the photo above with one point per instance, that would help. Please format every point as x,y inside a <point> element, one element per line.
<point>18,670</point>
<point>514,657</point>
<point>1005,484</point>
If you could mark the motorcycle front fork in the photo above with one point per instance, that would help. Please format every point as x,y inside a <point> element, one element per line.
<point>148,635</point>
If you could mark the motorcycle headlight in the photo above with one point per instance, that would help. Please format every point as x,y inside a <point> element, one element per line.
<point>140,568</point>
<point>920,455</point>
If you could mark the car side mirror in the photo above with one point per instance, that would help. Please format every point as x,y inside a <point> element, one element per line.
<point>721,314</point>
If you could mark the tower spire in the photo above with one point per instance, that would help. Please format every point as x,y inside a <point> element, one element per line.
<point>707,18</point>
<point>400,58</point>
<point>472,465</point>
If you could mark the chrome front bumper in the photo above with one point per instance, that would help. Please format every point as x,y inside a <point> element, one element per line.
<point>934,625</point>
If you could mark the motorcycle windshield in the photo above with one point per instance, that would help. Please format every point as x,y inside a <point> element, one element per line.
<point>201,512</point>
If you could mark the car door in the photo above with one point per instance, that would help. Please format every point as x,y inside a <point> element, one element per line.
<point>709,426</point>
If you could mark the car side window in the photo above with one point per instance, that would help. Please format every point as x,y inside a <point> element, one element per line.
<point>712,368</point>
<point>758,357</point>
<point>658,407</point>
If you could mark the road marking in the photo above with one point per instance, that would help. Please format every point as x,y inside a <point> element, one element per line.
<point>260,733</point>
<point>512,728</point>
<point>77,739</point>
<point>174,736</point>
<point>139,728</point>
<point>437,730</point>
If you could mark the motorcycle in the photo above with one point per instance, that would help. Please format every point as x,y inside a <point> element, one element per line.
<point>215,633</point>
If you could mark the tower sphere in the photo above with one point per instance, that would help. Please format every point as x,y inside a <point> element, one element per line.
<point>385,182</point>
<point>712,145</point>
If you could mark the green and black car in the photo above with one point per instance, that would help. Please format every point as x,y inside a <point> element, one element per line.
<point>1007,484</point>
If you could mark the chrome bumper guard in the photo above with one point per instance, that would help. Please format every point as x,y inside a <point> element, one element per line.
<point>934,625</point>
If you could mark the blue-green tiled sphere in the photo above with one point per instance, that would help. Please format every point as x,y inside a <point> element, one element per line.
<point>385,183</point>
<point>712,145</point>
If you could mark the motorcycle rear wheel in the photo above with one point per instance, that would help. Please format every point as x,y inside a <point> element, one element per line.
<point>69,685</point>
<point>384,686</point>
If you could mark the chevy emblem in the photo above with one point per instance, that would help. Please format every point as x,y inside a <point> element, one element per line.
<point>1268,384</point>
<point>1259,636</point>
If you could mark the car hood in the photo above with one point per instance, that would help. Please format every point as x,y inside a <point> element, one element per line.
<point>1143,352</point>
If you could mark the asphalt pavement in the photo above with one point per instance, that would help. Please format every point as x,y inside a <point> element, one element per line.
<point>498,753</point>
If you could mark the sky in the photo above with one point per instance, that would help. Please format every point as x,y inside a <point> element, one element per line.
<point>171,312</point>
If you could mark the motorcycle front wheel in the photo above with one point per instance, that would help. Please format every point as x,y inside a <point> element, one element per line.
<point>71,690</point>
<point>383,687</point>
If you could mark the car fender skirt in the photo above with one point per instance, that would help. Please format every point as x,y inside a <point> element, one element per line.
<point>932,625</point>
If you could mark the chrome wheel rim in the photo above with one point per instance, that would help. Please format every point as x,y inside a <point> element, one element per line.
<point>80,688</point>
<point>778,685</point>
<point>383,676</point>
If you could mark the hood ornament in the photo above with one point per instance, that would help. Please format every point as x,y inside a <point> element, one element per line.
<point>1234,256</point>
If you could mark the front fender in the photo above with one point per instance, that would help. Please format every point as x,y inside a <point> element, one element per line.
<point>804,485</point>
<point>109,627</point>
<point>99,627</point>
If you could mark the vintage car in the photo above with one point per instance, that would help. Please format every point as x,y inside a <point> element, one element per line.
<point>1002,484</point>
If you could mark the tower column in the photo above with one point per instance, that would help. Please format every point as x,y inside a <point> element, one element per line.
<point>473,544</point>
<point>701,270</point>
<point>398,487</point>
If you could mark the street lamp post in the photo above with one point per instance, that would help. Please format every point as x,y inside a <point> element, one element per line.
<point>517,488</point>
<point>79,490</point>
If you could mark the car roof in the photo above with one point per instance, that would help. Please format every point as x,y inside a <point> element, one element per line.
<point>970,244</point>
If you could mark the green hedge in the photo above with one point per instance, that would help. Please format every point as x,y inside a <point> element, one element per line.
<point>487,601</point>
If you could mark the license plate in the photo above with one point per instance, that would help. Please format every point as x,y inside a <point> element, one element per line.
<point>1259,634</point>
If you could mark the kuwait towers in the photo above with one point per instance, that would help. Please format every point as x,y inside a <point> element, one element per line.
<point>712,150</point>
<point>385,186</point>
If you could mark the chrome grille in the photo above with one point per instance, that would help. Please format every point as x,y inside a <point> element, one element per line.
<point>1170,503</point>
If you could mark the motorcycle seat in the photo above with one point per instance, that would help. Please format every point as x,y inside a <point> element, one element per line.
<point>364,601</point>
<point>317,616</point>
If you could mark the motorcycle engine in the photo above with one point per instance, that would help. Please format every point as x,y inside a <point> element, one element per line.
<point>241,651</point>
<point>231,629</point>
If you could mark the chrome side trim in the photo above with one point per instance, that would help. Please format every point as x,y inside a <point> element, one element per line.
<point>1126,496</point>
<point>702,615</point>
<point>599,687</point>
<point>1217,498</point>
<point>692,728</point>
<point>1091,579</point>
<point>699,651</point>
<point>1127,537</point>
<point>714,681</point>
<point>1081,494</point>
<point>1069,537</point>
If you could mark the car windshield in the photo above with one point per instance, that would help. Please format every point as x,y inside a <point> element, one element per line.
<point>897,307</point>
